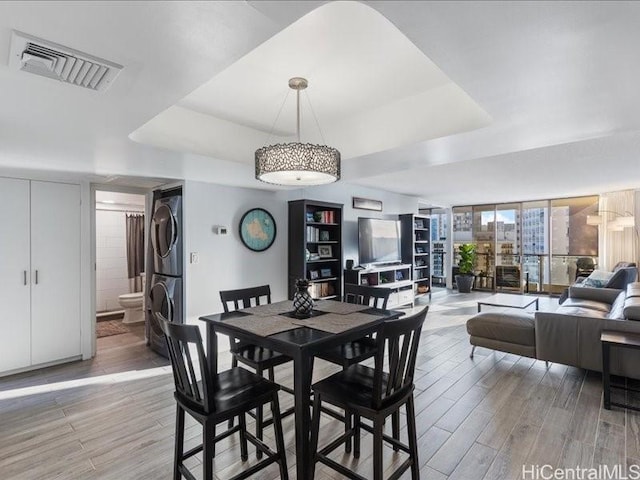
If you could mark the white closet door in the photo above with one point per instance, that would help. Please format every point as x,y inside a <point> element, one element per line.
<point>15,293</point>
<point>55,271</point>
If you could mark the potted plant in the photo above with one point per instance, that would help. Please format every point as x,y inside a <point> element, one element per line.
<point>464,280</point>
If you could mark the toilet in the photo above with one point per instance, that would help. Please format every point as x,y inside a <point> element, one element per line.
<point>133,304</point>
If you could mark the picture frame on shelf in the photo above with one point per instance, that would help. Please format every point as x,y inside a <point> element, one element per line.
<point>325,251</point>
<point>324,235</point>
<point>325,272</point>
<point>399,275</point>
<point>364,281</point>
<point>313,274</point>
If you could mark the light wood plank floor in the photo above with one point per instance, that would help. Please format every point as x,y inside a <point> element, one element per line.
<point>484,418</point>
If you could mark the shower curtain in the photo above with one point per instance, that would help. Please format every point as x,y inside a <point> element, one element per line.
<point>135,251</point>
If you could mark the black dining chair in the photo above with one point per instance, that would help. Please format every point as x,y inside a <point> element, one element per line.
<point>375,394</point>
<point>215,398</point>
<point>361,349</point>
<point>258,358</point>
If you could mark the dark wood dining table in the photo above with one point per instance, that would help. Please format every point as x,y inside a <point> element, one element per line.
<point>301,343</point>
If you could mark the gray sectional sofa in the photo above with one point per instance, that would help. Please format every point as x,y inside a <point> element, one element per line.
<point>571,334</point>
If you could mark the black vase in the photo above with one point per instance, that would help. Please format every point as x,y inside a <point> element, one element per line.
<point>302,300</point>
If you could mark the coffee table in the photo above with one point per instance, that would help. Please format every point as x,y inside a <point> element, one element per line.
<point>508,300</point>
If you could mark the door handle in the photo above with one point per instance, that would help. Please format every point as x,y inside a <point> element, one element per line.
<point>36,277</point>
<point>25,277</point>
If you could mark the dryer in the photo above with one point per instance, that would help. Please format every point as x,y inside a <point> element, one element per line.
<point>166,235</point>
<point>165,297</point>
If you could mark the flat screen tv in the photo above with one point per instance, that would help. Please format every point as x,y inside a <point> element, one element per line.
<point>378,241</point>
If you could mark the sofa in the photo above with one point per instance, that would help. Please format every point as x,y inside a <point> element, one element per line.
<point>624,273</point>
<point>571,334</point>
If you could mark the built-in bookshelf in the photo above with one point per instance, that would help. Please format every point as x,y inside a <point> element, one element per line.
<point>416,250</point>
<point>315,247</point>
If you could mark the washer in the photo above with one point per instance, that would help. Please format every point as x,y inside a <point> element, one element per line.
<point>165,298</point>
<point>166,235</point>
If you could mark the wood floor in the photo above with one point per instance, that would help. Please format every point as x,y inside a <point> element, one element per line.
<point>484,418</point>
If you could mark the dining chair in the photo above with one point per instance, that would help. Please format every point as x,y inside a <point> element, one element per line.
<point>258,358</point>
<point>215,398</point>
<point>363,348</point>
<point>375,394</point>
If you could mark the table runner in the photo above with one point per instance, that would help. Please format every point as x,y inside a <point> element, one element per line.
<point>340,308</point>
<point>263,325</point>
<point>270,309</point>
<point>336,323</point>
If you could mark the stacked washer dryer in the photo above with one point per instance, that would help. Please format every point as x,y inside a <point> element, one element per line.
<point>165,290</point>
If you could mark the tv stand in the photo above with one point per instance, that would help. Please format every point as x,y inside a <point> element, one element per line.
<point>397,277</point>
<point>384,264</point>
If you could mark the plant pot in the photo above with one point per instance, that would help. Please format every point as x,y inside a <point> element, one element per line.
<point>464,283</point>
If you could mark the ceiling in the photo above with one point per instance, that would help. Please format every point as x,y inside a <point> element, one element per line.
<point>558,81</point>
<point>379,93</point>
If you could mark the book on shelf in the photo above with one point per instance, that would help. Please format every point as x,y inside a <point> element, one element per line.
<point>322,216</point>
<point>322,289</point>
<point>314,234</point>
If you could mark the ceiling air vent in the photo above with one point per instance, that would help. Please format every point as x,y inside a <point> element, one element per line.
<point>48,59</point>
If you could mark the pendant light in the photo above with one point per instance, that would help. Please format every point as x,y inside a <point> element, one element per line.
<point>297,163</point>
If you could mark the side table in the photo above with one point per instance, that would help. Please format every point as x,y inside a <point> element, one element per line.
<point>610,339</point>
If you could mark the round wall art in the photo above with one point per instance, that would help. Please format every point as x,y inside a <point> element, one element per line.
<point>257,229</point>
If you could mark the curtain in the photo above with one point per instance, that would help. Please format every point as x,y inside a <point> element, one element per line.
<point>617,246</point>
<point>135,251</point>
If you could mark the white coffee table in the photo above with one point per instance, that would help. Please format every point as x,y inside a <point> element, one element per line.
<point>508,300</point>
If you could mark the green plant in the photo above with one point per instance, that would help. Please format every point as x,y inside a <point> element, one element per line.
<point>467,252</point>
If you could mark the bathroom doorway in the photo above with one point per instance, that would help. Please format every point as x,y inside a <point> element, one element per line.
<point>120,246</point>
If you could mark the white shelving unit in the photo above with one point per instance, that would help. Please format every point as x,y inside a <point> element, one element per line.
<point>396,277</point>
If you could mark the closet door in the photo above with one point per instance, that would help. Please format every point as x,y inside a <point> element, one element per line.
<point>15,293</point>
<point>55,271</point>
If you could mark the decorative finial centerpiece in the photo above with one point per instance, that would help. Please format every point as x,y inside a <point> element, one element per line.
<point>302,300</point>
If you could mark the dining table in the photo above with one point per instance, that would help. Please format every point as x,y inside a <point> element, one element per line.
<point>277,327</point>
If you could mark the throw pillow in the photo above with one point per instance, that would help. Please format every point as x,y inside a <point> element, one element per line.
<point>598,279</point>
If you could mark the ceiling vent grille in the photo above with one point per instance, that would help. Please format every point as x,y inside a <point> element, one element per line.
<point>40,57</point>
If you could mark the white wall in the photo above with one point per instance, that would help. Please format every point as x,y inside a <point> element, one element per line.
<point>111,260</point>
<point>393,204</point>
<point>224,262</point>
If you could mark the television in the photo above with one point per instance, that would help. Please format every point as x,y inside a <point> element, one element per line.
<point>378,241</point>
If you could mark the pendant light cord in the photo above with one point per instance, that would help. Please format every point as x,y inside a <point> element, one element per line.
<point>298,114</point>
<point>278,116</point>
<point>313,112</point>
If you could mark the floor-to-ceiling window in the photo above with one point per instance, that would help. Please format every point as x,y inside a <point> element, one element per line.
<point>574,244</point>
<point>536,246</point>
<point>484,236</point>
<point>439,235</point>
<point>461,221</point>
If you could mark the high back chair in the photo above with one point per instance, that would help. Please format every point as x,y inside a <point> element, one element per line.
<point>376,297</point>
<point>375,394</point>
<point>245,297</point>
<point>212,399</point>
<point>258,358</point>
<point>363,348</point>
